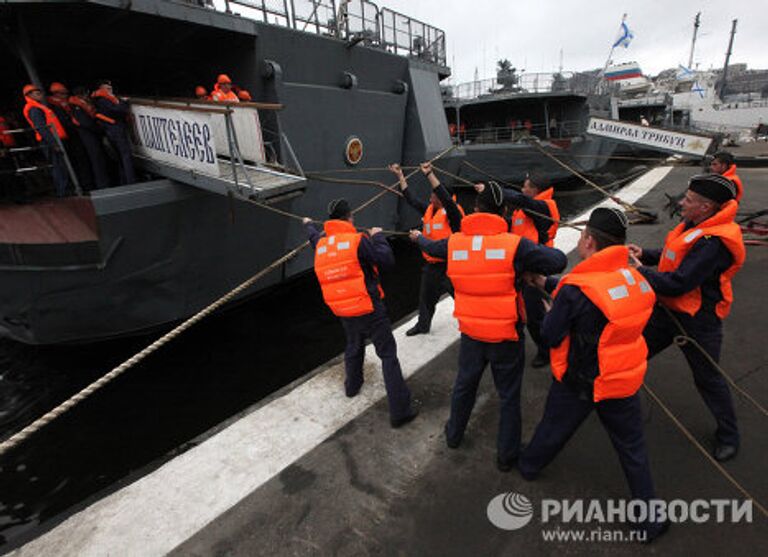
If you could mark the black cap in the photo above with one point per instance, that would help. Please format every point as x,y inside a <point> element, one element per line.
<point>612,222</point>
<point>724,157</point>
<point>339,209</point>
<point>492,195</point>
<point>715,187</point>
<point>101,82</point>
<point>536,178</point>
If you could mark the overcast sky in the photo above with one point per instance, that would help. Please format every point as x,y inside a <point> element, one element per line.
<point>531,33</point>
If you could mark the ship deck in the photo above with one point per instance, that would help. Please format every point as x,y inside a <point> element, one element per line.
<point>309,471</point>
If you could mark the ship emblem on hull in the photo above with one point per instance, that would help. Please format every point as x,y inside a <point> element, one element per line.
<point>353,152</point>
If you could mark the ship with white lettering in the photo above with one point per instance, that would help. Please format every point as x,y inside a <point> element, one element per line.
<point>336,85</point>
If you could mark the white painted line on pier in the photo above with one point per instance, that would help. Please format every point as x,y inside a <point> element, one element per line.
<point>165,508</point>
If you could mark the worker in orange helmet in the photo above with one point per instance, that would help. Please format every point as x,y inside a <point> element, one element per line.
<point>49,132</point>
<point>244,95</point>
<point>201,93</point>
<point>58,100</point>
<point>222,91</point>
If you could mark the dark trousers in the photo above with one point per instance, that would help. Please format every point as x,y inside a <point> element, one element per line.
<point>118,137</point>
<point>79,160</point>
<point>507,360</point>
<point>434,283</point>
<point>95,151</point>
<point>660,332</point>
<point>59,172</point>
<point>564,412</point>
<point>377,327</point>
<point>534,311</point>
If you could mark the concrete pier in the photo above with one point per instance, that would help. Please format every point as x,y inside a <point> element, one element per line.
<point>310,472</point>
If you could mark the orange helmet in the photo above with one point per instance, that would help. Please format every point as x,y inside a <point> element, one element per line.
<point>223,78</point>
<point>29,88</point>
<point>200,91</point>
<point>57,87</point>
<point>243,95</point>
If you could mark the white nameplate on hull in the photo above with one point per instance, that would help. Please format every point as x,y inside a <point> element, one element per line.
<point>655,138</point>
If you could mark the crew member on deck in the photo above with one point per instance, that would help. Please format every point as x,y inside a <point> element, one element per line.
<point>201,94</point>
<point>346,265</point>
<point>693,282</point>
<point>47,124</point>
<point>91,134</point>
<point>114,114</point>
<point>486,265</point>
<point>599,357</point>
<point>441,217</point>
<point>222,90</point>
<point>59,103</point>
<point>535,217</point>
<point>723,164</point>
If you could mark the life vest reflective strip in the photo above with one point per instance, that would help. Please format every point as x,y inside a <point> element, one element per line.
<point>339,272</point>
<point>481,268</point>
<point>626,300</point>
<point>50,119</point>
<point>523,225</point>
<point>733,177</point>
<point>436,227</point>
<point>680,241</point>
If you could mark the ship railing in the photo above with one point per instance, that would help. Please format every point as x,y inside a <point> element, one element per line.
<point>355,20</point>
<point>23,162</point>
<point>516,134</point>
<point>520,84</point>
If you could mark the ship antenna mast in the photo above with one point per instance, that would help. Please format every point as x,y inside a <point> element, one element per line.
<point>696,23</point>
<point>728,58</point>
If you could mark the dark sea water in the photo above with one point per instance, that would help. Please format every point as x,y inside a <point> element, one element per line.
<point>216,369</point>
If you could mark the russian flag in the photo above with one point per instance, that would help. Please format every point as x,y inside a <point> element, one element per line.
<point>626,71</point>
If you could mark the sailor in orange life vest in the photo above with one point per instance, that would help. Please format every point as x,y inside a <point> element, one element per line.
<point>693,281</point>
<point>112,113</point>
<point>90,132</point>
<point>722,163</point>
<point>441,217</point>
<point>532,207</point>
<point>595,327</point>
<point>58,100</point>
<point>41,117</point>
<point>201,93</point>
<point>346,265</point>
<point>222,90</point>
<point>486,265</point>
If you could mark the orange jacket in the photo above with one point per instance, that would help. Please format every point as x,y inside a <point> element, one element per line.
<point>339,272</point>
<point>679,242</point>
<point>220,96</point>
<point>481,268</point>
<point>6,139</point>
<point>436,227</point>
<point>626,300</point>
<point>50,119</point>
<point>733,177</point>
<point>522,224</point>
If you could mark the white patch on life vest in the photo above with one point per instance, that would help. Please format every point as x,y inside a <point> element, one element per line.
<point>495,253</point>
<point>460,255</point>
<point>331,240</point>
<point>322,249</point>
<point>437,227</point>
<point>627,276</point>
<point>519,222</point>
<point>669,254</point>
<point>691,236</point>
<point>645,287</point>
<point>618,292</point>
<point>342,245</point>
<point>477,243</point>
<point>426,229</point>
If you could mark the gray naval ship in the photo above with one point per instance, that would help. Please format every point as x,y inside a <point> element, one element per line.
<point>337,85</point>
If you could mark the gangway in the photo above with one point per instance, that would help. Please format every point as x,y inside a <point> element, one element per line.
<point>217,147</point>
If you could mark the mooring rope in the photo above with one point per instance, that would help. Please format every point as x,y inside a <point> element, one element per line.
<point>705,452</point>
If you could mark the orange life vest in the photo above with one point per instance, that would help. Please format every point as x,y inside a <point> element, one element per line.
<point>522,224</point>
<point>339,272</point>
<point>6,139</point>
<point>50,119</point>
<point>679,242</point>
<point>626,299</point>
<point>436,227</point>
<point>220,96</point>
<point>481,268</point>
<point>733,177</point>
